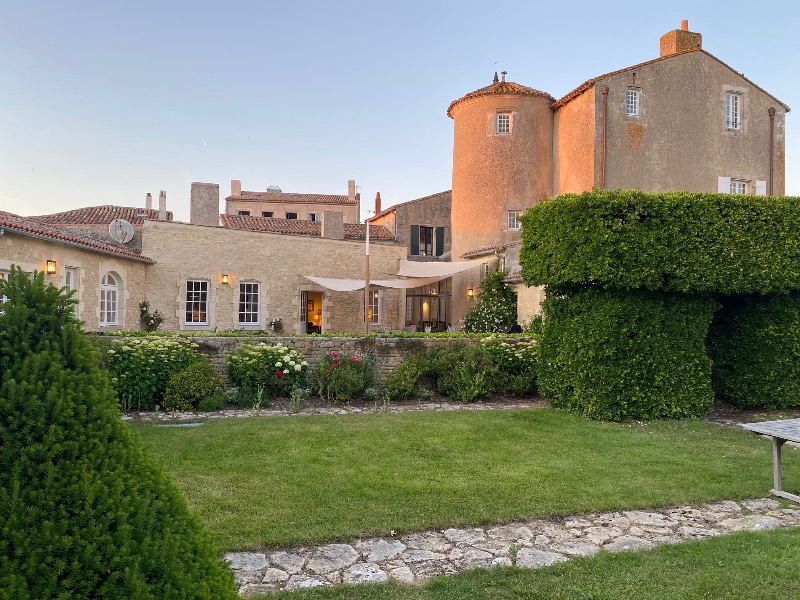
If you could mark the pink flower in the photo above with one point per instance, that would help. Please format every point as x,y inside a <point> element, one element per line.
<point>278,374</point>
<point>355,359</point>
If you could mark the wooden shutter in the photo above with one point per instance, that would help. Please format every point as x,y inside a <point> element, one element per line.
<point>724,185</point>
<point>439,241</point>
<point>761,188</point>
<point>414,240</point>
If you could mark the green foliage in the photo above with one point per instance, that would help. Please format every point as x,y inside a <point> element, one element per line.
<point>754,344</point>
<point>684,242</point>
<point>141,368</point>
<point>85,512</point>
<point>197,381</point>
<point>627,355</point>
<point>273,369</point>
<point>212,403</point>
<point>149,321</point>
<point>342,377</point>
<point>402,382</point>
<point>517,361</point>
<point>494,309</point>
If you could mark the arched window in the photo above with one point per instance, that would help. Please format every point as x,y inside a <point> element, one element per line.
<point>109,300</point>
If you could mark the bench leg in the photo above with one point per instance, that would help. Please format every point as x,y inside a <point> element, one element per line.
<point>777,443</point>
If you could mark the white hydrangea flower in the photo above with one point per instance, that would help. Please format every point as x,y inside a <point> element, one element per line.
<point>297,367</point>
<point>279,364</point>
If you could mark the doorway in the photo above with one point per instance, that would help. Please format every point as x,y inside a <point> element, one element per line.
<point>311,312</point>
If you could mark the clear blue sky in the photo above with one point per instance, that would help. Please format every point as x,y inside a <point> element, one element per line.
<point>102,102</point>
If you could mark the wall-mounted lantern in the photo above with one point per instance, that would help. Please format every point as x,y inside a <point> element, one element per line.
<point>470,293</point>
<point>225,279</point>
<point>51,267</point>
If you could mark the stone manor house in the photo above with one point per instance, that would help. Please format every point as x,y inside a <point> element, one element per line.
<point>682,121</point>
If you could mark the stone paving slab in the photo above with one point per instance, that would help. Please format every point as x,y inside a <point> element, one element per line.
<point>415,557</point>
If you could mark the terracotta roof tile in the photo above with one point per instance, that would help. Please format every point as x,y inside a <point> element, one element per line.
<point>287,197</point>
<point>301,227</point>
<point>499,88</point>
<point>34,227</point>
<point>588,84</point>
<point>101,215</point>
<point>488,249</point>
<point>386,211</point>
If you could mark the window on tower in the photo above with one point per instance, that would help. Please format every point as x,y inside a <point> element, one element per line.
<point>513,220</point>
<point>503,123</point>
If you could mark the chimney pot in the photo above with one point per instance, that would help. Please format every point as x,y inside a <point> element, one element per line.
<point>148,201</point>
<point>504,73</point>
<point>685,25</point>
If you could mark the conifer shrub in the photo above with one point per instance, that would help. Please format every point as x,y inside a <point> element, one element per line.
<point>494,309</point>
<point>188,388</point>
<point>85,512</point>
<point>615,355</point>
<point>754,344</point>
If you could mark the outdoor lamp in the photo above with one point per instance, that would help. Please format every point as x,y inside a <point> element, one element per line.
<point>470,293</point>
<point>224,279</point>
<point>51,267</point>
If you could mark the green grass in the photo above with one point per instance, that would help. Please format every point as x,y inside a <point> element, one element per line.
<point>270,482</point>
<point>762,565</point>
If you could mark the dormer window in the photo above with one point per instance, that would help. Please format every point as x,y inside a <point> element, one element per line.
<point>503,122</point>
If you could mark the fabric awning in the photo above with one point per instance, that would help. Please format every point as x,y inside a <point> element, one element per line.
<point>353,285</point>
<point>410,268</point>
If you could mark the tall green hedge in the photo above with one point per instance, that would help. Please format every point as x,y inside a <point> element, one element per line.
<point>618,355</point>
<point>85,512</point>
<point>755,346</point>
<point>684,242</point>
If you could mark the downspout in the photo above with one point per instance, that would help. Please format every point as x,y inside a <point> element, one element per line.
<point>604,91</point>
<point>771,113</point>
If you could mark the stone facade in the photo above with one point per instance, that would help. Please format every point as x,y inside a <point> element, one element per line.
<point>430,211</point>
<point>185,252</point>
<point>279,203</point>
<point>88,267</point>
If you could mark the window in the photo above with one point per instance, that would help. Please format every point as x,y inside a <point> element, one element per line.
<point>430,306</point>
<point>109,300</point>
<point>3,276</point>
<point>632,103</point>
<point>738,186</point>
<point>503,123</point>
<point>425,241</point>
<point>266,213</point>
<point>71,278</point>
<point>733,111</point>
<point>513,220</point>
<point>248,303</point>
<point>196,302</point>
<point>313,217</point>
<point>291,215</point>
<point>244,213</point>
<point>374,307</point>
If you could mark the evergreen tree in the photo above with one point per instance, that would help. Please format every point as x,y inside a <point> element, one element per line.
<point>85,512</point>
<point>494,310</point>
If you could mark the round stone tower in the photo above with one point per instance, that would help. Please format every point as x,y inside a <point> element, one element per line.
<point>502,162</point>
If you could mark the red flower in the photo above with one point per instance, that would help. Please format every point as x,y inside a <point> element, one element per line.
<point>355,359</point>
<point>278,374</point>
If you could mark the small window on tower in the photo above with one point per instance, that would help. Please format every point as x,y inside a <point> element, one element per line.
<point>513,220</point>
<point>503,123</point>
<point>632,103</point>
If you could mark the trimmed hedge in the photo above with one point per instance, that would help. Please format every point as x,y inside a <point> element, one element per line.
<point>684,242</point>
<point>620,355</point>
<point>85,511</point>
<point>755,346</point>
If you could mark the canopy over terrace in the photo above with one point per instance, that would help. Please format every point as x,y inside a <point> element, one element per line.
<point>416,273</point>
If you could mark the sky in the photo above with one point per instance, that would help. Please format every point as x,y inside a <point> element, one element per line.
<point>103,102</point>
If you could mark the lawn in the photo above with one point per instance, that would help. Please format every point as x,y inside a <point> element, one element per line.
<point>762,565</point>
<point>275,482</point>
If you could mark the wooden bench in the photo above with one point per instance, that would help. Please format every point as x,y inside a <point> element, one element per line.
<point>781,432</point>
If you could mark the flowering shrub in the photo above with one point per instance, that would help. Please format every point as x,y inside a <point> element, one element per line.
<point>517,361</point>
<point>149,321</point>
<point>276,325</point>
<point>494,309</point>
<point>342,377</point>
<point>273,369</point>
<point>140,368</point>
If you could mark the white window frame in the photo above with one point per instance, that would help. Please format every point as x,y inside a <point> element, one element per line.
<point>423,246</point>
<point>733,111</point>
<point>374,307</point>
<point>71,281</point>
<point>632,103</point>
<point>4,276</point>
<point>249,303</point>
<point>314,217</point>
<point>514,223</point>
<point>109,300</point>
<point>503,123</point>
<point>196,298</point>
<point>739,186</point>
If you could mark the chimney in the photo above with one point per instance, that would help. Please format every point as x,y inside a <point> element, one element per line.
<point>162,205</point>
<point>148,201</point>
<point>332,225</point>
<point>236,187</point>
<point>351,190</point>
<point>680,40</point>
<point>204,204</point>
<point>377,203</point>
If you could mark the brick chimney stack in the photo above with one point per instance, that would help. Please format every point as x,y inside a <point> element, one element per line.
<point>680,40</point>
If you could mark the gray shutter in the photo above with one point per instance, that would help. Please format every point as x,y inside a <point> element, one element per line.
<point>439,241</point>
<point>414,241</point>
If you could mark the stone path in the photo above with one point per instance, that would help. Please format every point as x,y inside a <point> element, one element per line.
<point>415,557</point>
